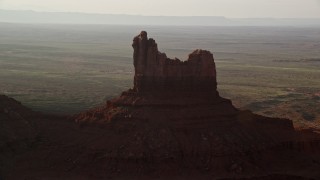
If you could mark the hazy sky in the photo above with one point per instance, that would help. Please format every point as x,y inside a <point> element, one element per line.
<point>228,8</point>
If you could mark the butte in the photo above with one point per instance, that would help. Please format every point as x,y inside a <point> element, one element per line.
<point>174,119</point>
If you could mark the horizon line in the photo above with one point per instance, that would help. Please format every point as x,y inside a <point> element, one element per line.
<point>141,15</point>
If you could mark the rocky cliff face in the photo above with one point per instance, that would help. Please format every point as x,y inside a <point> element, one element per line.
<point>155,73</point>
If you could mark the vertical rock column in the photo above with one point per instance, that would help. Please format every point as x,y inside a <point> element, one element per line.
<point>154,72</point>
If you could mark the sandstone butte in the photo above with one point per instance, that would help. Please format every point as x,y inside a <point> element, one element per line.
<point>155,73</point>
<point>172,124</point>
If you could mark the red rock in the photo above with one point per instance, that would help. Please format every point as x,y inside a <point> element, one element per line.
<point>155,73</point>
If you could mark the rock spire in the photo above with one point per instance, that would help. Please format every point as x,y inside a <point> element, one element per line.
<point>154,71</point>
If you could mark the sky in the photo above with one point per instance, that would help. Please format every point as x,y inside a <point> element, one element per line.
<point>227,8</point>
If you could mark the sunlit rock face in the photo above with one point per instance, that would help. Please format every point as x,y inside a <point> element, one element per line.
<point>154,72</point>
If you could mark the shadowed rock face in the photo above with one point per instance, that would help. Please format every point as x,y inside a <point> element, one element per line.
<point>155,73</point>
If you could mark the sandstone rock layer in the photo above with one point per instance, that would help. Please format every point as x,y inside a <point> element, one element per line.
<point>155,73</point>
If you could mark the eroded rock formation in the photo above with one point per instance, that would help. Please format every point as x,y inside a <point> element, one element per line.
<point>155,73</point>
<point>175,114</point>
<point>190,87</point>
